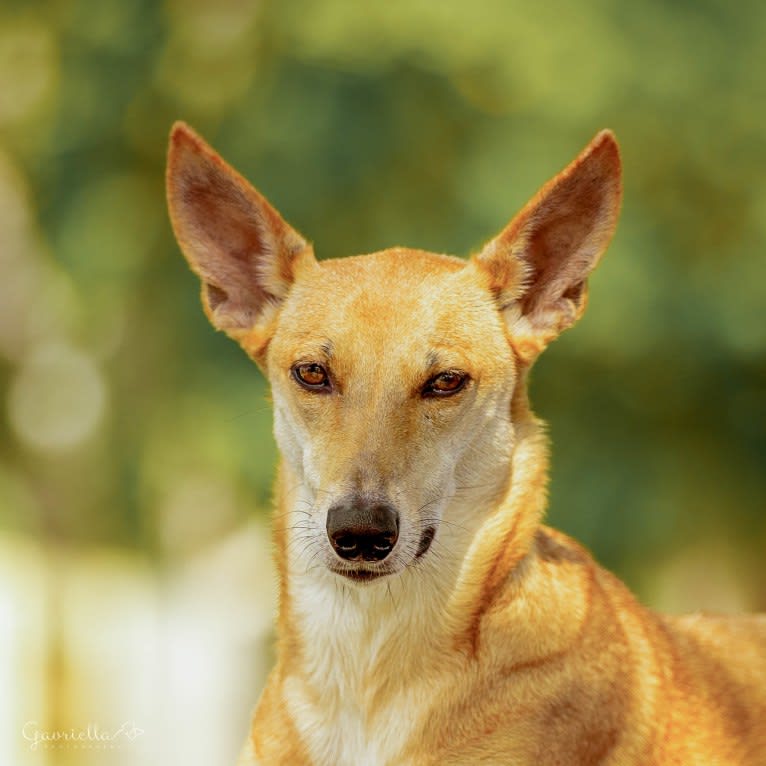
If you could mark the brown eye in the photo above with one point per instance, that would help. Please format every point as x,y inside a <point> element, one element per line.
<point>312,376</point>
<point>445,383</point>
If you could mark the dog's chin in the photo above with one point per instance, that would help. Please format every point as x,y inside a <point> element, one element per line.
<point>362,576</point>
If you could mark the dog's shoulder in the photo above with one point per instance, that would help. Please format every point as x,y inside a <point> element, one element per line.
<point>729,652</point>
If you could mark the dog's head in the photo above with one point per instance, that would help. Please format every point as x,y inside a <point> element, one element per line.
<point>392,373</point>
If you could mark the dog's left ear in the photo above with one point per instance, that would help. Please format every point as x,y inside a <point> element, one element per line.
<point>538,265</point>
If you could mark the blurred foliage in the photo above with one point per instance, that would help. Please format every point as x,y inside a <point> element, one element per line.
<point>371,124</point>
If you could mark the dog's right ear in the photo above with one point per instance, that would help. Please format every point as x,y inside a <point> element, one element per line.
<point>240,247</point>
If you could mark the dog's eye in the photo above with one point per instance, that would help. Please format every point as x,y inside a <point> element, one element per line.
<point>445,383</point>
<point>312,376</point>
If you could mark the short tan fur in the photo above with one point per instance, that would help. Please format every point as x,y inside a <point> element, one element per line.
<point>426,615</point>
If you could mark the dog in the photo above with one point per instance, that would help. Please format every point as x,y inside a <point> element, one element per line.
<point>426,616</point>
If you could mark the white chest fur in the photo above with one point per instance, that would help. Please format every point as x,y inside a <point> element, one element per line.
<point>361,693</point>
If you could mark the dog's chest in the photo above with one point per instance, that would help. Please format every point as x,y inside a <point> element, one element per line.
<point>354,706</point>
<point>343,736</point>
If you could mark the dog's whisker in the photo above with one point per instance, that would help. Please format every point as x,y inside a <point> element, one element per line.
<point>246,413</point>
<point>434,520</point>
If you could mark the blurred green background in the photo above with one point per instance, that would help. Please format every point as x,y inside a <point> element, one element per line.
<point>131,429</point>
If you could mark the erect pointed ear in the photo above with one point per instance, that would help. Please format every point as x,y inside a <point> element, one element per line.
<point>237,244</point>
<point>538,265</point>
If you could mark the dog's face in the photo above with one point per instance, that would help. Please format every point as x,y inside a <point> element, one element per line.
<point>387,371</point>
<point>393,373</point>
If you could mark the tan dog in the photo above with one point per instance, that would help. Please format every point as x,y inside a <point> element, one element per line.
<point>426,616</point>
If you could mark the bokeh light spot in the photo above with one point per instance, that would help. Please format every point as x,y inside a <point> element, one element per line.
<point>57,399</point>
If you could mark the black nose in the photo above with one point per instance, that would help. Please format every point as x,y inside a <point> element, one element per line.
<point>362,529</point>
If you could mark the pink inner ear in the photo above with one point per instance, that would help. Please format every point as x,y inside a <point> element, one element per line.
<point>558,258</point>
<point>568,226</point>
<point>228,233</point>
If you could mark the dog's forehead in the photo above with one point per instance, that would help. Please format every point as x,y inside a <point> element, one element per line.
<point>396,298</point>
<point>398,273</point>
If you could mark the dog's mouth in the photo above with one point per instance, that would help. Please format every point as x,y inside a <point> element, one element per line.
<point>425,541</point>
<point>360,575</point>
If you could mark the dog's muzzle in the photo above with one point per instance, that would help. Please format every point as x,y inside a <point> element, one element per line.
<point>363,529</point>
